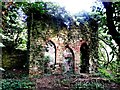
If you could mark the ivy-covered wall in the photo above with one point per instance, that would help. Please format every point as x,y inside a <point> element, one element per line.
<point>44,30</point>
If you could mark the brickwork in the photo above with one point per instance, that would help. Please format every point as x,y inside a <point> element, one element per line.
<point>60,40</point>
<point>60,46</point>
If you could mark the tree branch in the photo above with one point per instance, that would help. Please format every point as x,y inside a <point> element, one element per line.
<point>110,23</point>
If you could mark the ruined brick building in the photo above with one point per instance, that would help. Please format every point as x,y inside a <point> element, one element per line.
<point>48,34</point>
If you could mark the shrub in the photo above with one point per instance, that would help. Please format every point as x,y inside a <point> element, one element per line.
<point>88,86</point>
<point>12,84</point>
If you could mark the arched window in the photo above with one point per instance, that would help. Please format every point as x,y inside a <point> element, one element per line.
<point>68,60</point>
<point>50,52</point>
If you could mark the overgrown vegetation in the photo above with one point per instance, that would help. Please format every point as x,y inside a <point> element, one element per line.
<point>13,84</point>
<point>89,86</point>
<point>20,21</point>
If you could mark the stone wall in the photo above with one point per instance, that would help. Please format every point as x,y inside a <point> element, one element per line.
<point>60,38</point>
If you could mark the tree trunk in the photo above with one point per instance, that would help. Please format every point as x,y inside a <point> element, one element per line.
<point>110,24</point>
<point>112,28</point>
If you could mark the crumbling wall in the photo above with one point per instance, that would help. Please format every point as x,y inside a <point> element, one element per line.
<point>42,32</point>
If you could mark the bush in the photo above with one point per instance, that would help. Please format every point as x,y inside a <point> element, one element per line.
<point>14,74</point>
<point>88,86</point>
<point>12,84</point>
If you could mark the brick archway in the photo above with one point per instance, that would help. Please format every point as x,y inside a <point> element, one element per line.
<point>84,50</point>
<point>72,56</point>
<point>51,43</point>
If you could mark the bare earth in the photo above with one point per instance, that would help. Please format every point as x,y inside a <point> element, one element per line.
<point>65,82</point>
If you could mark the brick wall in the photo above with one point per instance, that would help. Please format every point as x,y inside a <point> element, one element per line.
<point>59,39</point>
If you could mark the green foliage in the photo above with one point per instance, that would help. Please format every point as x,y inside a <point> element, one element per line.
<point>105,73</point>
<point>12,84</point>
<point>45,63</point>
<point>46,59</point>
<point>12,59</point>
<point>37,55</point>
<point>108,48</point>
<point>32,7</point>
<point>15,74</point>
<point>114,66</point>
<point>116,79</point>
<point>111,75</point>
<point>64,82</point>
<point>14,27</point>
<point>89,86</point>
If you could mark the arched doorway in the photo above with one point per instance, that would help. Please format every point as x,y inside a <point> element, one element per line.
<point>84,57</point>
<point>68,60</point>
<point>50,54</point>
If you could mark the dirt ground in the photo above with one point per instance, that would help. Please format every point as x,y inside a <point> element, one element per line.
<point>65,82</point>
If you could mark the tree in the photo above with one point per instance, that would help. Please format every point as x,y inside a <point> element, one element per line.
<point>110,22</point>
<point>108,36</point>
<point>112,18</point>
<point>13,26</point>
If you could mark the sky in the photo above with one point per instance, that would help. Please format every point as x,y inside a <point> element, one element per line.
<point>75,6</point>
